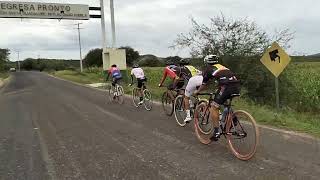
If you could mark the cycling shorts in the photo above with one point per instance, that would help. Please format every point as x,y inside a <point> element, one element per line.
<point>193,84</point>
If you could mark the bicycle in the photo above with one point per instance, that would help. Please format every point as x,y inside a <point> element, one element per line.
<point>168,102</point>
<point>234,125</point>
<point>115,93</point>
<point>179,109</point>
<point>146,94</point>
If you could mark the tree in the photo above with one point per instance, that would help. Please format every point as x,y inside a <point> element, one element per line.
<point>172,59</point>
<point>4,58</point>
<point>240,44</point>
<point>94,58</point>
<point>131,55</point>
<point>224,36</point>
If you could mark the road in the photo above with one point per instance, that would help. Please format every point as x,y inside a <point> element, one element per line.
<point>53,129</point>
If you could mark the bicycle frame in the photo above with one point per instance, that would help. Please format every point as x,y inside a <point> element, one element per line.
<point>225,116</point>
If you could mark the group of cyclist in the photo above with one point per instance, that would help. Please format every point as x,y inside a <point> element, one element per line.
<point>194,81</point>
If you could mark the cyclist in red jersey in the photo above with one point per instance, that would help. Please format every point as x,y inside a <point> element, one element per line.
<point>179,74</point>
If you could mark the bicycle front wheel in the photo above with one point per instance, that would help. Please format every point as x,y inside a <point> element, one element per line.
<point>135,97</point>
<point>111,94</point>
<point>120,93</point>
<point>242,135</point>
<point>179,110</point>
<point>147,98</point>
<point>203,120</point>
<point>167,104</point>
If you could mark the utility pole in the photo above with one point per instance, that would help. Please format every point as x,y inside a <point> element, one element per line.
<point>81,67</point>
<point>113,28</point>
<point>18,59</point>
<point>103,25</point>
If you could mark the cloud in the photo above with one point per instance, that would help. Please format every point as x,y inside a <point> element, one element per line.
<point>152,26</point>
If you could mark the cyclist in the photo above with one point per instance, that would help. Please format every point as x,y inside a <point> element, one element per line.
<point>179,74</point>
<point>228,84</point>
<point>139,75</point>
<point>115,74</point>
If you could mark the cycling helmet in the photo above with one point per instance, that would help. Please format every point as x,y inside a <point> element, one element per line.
<point>135,66</point>
<point>211,59</point>
<point>184,61</point>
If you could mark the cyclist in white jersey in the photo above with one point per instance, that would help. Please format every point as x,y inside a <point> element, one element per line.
<point>138,73</point>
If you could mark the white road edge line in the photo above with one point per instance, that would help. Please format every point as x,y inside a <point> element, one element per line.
<point>303,135</point>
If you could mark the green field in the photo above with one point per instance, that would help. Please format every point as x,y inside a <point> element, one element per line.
<point>286,118</point>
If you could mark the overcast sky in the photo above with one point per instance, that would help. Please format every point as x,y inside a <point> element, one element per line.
<point>150,26</point>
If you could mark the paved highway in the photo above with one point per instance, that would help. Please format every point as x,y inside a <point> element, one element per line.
<point>53,129</point>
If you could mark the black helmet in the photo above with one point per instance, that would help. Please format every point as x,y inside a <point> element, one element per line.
<point>113,65</point>
<point>184,61</point>
<point>211,59</point>
<point>135,65</point>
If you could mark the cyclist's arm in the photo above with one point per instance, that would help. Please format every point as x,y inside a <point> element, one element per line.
<point>109,72</point>
<point>163,76</point>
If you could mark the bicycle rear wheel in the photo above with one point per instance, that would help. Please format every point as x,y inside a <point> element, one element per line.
<point>135,97</point>
<point>147,98</point>
<point>120,93</point>
<point>242,135</point>
<point>167,104</point>
<point>202,118</point>
<point>179,110</point>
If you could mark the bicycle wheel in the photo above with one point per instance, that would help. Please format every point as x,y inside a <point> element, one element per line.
<point>167,104</point>
<point>111,93</point>
<point>242,135</point>
<point>179,110</point>
<point>147,98</point>
<point>135,97</point>
<point>203,121</point>
<point>119,96</point>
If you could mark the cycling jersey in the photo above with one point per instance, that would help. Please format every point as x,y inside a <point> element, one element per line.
<point>222,74</point>
<point>138,73</point>
<point>115,72</point>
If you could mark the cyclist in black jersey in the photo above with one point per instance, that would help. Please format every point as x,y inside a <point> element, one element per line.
<point>228,84</point>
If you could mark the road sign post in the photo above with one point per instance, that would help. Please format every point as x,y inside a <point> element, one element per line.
<point>277,92</point>
<point>275,59</point>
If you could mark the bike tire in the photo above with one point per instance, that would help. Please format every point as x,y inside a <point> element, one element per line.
<point>201,116</point>
<point>135,97</point>
<point>147,98</point>
<point>119,97</point>
<point>110,93</point>
<point>235,128</point>
<point>179,110</point>
<point>167,104</point>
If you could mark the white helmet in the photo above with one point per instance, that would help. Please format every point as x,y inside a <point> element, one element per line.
<point>211,59</point>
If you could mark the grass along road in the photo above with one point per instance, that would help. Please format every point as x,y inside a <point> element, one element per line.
<point>265,115</point>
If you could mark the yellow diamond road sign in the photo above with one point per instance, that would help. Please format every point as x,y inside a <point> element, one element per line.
<point>275,59</point>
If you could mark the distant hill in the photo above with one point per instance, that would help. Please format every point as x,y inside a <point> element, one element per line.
<point>315,55</point>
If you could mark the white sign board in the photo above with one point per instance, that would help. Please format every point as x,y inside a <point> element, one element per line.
<point>38,10</point>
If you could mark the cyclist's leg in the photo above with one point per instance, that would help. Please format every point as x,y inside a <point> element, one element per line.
<point>218,100</point>
<point>170,89</point>
<point>192,85</point>
<point>139,86</point>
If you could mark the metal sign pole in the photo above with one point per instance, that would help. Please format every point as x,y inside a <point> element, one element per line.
<point>277,92</point>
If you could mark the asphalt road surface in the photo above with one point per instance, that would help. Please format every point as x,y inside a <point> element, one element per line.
<point>53,129</point>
